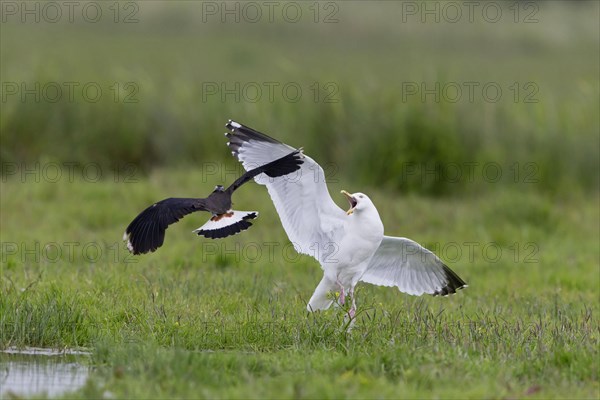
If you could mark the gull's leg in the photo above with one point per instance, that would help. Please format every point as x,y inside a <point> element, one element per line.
<point>352,311</point>
<point>349,319</point>
<point>342,293</point>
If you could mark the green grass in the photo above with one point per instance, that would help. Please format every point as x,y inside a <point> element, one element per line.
<point>227,319</point>
<point>189,321</point>
<point>368,57</point>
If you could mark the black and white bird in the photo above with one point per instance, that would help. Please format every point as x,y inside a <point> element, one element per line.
<point>350,246</point>
<point>147,231</point>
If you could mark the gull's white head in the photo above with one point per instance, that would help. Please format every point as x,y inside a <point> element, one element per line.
<point>358,202</point>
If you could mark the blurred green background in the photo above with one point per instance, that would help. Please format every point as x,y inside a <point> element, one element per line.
<point>379,93</point>
<point>354,84</point>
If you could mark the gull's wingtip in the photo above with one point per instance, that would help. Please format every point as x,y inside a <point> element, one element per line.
<point>231,124</point>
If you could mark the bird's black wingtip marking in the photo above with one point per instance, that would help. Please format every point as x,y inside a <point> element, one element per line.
<point>232,125</point>
<point>454,283</point>
<point>250,216</point>
<point>229,230</point>
<point>244,133</point>
<point>285,165</point>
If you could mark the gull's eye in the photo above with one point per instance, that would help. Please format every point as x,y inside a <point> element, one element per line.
<point>361,196</point>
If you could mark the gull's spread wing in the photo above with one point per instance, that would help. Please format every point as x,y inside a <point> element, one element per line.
<point>411,268</point>
<point>308,214</point>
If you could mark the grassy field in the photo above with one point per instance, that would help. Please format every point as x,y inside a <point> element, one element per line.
<point>227,319</point>
<point>195,320</point>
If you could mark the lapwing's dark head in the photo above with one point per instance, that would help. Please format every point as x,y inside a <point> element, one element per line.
<point>219,188</point>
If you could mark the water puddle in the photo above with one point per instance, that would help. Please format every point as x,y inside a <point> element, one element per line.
<point>32,371</point>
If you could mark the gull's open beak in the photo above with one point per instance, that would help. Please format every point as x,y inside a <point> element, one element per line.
<point>351,200</point>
